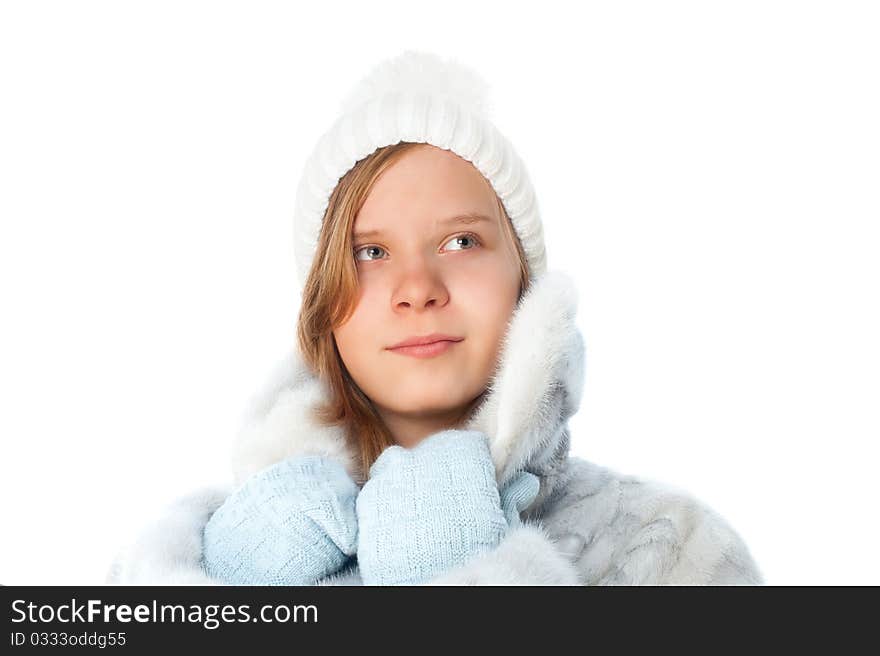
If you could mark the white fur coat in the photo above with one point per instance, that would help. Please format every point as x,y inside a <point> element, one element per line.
<point>588,525</point>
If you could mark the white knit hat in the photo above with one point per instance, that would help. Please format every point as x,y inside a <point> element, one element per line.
<point>419,97</point>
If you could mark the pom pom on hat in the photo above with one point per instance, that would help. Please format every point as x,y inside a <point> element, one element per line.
<point>425,72</point>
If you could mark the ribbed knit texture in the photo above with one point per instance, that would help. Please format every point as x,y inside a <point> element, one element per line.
<point>517,494</point>
<point>427,509</point>
<point>292,523</point>
<point>423,98</point>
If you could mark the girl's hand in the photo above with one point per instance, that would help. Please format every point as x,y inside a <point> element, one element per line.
<point>292,523</point>
<point>429,508</point>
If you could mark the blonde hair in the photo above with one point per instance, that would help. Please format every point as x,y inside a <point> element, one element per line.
<point>330,297</point>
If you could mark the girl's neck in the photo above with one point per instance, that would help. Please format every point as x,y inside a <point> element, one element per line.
<point>409,430</point>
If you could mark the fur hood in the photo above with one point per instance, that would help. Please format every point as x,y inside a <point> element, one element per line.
<point>536,387</point>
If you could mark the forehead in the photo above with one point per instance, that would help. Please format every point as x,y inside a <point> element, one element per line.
<point>426,185</point>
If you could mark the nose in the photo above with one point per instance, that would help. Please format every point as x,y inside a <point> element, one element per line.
<point>419,287</point>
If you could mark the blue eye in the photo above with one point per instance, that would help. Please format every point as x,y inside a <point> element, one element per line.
<point>468,236</point>
<point>367,248</point>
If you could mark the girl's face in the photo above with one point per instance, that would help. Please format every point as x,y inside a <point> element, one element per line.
<point>421,271</point>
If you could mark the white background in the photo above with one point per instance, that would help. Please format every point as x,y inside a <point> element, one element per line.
<point>707,172</point>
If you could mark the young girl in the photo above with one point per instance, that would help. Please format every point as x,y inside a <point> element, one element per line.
<point>418,433</point>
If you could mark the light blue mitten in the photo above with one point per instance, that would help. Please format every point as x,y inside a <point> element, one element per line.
<point>517,494</point>
<point>292,523</point>
<point>427,509</point>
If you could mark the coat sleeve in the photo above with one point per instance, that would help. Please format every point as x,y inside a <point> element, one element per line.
<point>691,545</point>
<point>680,541</point>
<point>527,555</point>
<point>169,550</point>
<point>628,530</point>
<point>713,553</point>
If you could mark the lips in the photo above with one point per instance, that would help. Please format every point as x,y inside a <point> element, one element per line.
<point>426,350</point>
<point>426,339</point>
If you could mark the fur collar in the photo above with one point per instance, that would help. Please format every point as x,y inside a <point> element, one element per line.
<point>536,387</point>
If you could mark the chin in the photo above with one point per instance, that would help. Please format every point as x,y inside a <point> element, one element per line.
<point>425,404</point>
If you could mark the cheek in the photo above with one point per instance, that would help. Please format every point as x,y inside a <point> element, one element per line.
<point>488,293</point>
<point>488,306</point>
<point>351,337</point>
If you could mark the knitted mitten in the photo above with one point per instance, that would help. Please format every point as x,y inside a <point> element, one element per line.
<point>429,508</point>
<point>517,494</point>
<point>291,523</point>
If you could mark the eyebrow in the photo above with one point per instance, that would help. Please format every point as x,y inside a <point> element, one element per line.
<point>468,218</point>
